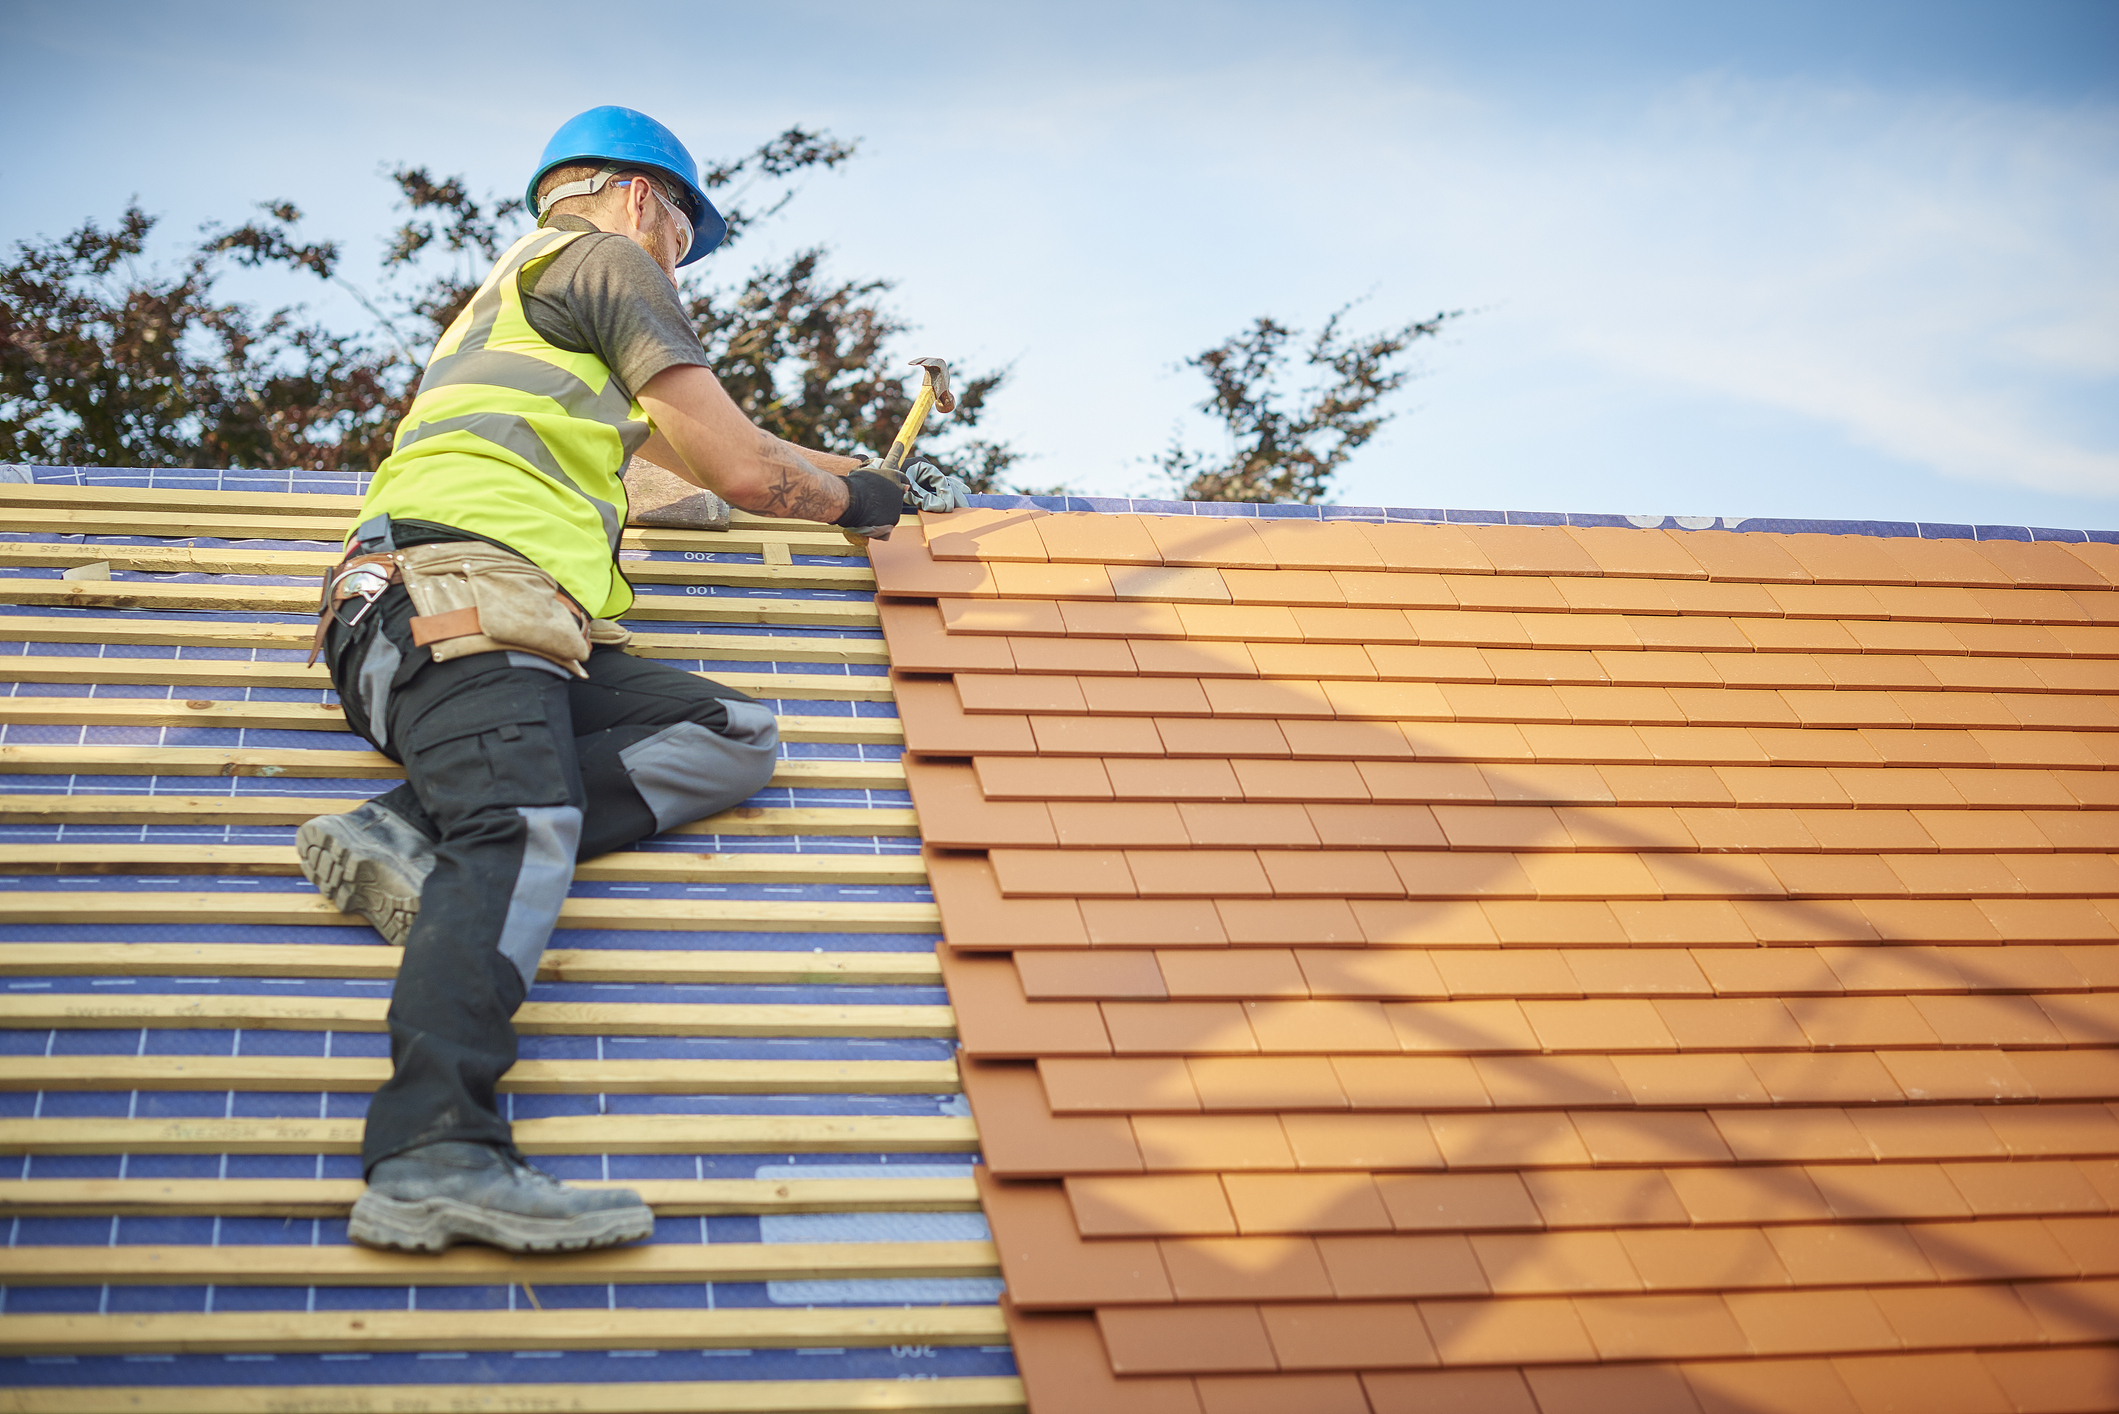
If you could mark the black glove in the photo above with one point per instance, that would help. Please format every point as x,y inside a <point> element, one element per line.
<point>873,502</point>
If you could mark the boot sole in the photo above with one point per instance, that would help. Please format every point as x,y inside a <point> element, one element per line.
<point>354,883</point>
<point>432,1224</point>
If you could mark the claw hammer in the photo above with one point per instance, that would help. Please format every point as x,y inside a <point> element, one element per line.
<point>934,393</point>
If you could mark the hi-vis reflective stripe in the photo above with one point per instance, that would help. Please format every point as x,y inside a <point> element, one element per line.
<point>506,429</point>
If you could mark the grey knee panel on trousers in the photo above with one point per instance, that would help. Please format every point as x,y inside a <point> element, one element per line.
<point>541,885</point>
<point>378,670</point>
<point>686,771</point>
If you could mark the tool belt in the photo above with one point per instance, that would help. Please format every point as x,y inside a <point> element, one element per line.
<point>472,598</point>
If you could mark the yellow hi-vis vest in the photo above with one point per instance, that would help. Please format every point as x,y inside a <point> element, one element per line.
<point>516,439</point>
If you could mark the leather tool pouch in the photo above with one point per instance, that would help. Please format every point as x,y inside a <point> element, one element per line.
<point>475,598</point>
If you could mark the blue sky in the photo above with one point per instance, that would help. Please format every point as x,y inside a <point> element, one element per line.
<point>1846,259</point>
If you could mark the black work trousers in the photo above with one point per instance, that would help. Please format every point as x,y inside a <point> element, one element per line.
<point>515,769</point>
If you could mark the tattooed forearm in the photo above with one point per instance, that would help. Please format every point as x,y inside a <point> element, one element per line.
<point>793,489</point>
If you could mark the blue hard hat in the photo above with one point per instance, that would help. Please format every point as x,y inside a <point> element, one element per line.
<point>613,134</point>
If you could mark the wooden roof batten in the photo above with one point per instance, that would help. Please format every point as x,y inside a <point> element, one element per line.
<point>110,686</point>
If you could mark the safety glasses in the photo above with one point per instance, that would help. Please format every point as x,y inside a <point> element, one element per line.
<point>684,222</point>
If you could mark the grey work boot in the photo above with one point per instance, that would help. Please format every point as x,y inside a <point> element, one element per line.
<point>426,1198</point>
<point>369,861</point>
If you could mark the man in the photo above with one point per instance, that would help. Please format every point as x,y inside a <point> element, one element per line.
<point>460,638</point>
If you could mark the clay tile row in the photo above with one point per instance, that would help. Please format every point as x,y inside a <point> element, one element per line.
<point>1032,536</point>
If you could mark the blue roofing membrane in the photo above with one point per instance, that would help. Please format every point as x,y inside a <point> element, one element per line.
<point>527,1366</point>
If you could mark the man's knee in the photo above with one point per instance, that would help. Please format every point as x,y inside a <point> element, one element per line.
<point>689,770</point>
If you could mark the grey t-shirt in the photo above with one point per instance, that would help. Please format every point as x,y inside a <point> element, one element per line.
<point>605,296</point>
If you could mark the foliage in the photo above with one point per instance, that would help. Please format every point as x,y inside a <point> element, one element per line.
<point>1289,450</point>
<point>108,361</point>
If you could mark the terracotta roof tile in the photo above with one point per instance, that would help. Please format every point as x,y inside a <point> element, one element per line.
<point>1116,1085</point>
<point>1543,783</point>
<point>1661,1327</point>
<point>1622,706</point>
<point>1258,972</point>
<point>1096,736</point>
<point>1019,1137</point>
<point>1523,1138</point>
<point>1913,747</point>
<point>1651,1137</point>
<point>1439,1264</point>
<point>1548,1263</point>
<point>1601,1198</point>
<point>1587,1389</point>
<point>1178,1028</point>
<point>1928,920</point>
<point>1271,1394</point>
<point>1219,737</point>
<point>1457,1202</point>
<point>1424,924</point>
<point>1280,697</point>
<point>2091,1243</point>
<point>1045,1263</point>
<point>1043,581</point>
<point>1449,1391</point>
<point>1699,922</point>
<point>1038,779</point>
<point>1124,696</point>
<point>2069,1075</point>
<point>1393,591</point>
<point>1959,1075</point>
<point>954,813</point>
<point>1627,827</point>
<point>1211,1143</point>
<point>1199,873</point>
<point>1601,1026</point>
<point>2029,1186</point>
<point>1726,1023</point>
<point>1641,972</point>
<point>1071,655</point>
<point>1590,876</point>
<point>2085,1020</point>
<point>1127,620</point>
<point>1505,594</point>
<point>996,1018</point>
<point>1958,1316</point>
<point>1052,873</point>
<point>919,643</point>
<point>1947,1384</point>
<point>1754,786</point>
<point>1301,781</point>
<point>1806,1078</point>
<point>1903,969</point>
<point>1316,1027</point>
<point>1168,585</point>
<point>1533,1082</point>
<point>1063,1357</point>
<point>1100,539</point>
<point>1537,1329</point>
<point>1427,547</point>
<point>1253,922</point>
<point>1954,875</point>
<point>1690,1080</point>
<point>1114,825</point>
<point>1548,923</point>
<point>1993,1250</point>
<point>979,616</point>
<point>1410,1082</point>
<point>1246,1269</point>
<point>1796,635</point>
<point>1240,1083</point>
<point>1811,1322</point>
<point>2064,876</point>
<point>1768,1193</point>
<point>1152,923</point>
<point>1306,1203</point>
<point>1467,741</point>
<point>1586,630</point>
<point>1930,1132</point>
<point>1809,921</point>
<point>1438,875</point>
<point>2040,565</point>
<point>1183,1339</point>
<point>1052,975</point>
<point>1147,779</point>
<point>1615,596</point>
<point>1692,1259</point>
<point>1850,1254</point>
<point>1208,540</point>
<point>936,722</point>
<point>1285,587</point>
<point>981,534</point>
<point>1526,973</point>
<point>1461,1028</point>
<point>1376,826</point>
<point>2054,1130</point>
<point>2051,1381</point>
<point>903,566</point>
<point>1767,972</point>
<point>1801,1135</point>
<point>2075,1311</point>
<point>1150,1205</point>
